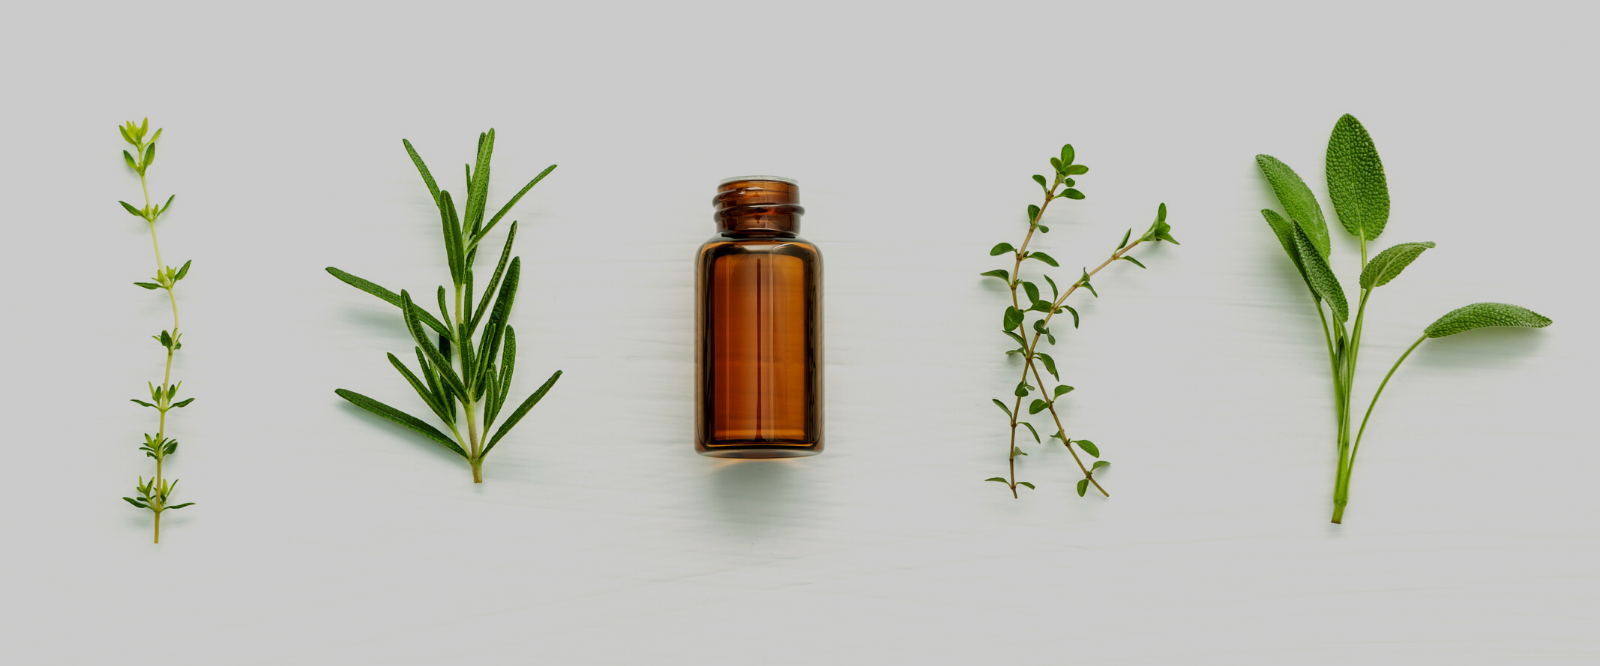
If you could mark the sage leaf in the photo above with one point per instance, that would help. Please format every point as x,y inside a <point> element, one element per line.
<point>1356,183</point>
<point>1319,275</point>
<point>1297,201</point>
<point>1284,230</point>
<point>1485,315</point>
<point>1388,264</point>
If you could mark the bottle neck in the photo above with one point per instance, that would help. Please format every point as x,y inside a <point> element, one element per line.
<point>758,206</point>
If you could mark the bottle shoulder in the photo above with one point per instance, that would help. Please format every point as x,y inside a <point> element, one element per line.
<point>723,245</point>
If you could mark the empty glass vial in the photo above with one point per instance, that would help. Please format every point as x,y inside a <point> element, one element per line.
<point>758,326</point>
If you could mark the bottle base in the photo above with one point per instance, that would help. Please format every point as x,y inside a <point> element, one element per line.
<point>753,453</point>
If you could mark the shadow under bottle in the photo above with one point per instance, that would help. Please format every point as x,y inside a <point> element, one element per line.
<point>758,326</point>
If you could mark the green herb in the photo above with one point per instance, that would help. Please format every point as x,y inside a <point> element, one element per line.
<point>1360,195</point>
<point>478,376</point>
<point>1030,299</point>
<point>155,494</point>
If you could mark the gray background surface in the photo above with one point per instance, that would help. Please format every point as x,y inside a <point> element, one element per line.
<point>325,536</point>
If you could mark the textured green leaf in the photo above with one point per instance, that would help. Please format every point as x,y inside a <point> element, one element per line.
<point>1388,264</point>
<point>1297,201</point>
<point>401,418</point>
<point>494,282</point>
<point>388,297</point>
<point>1044,258</point>
<point>1319,275</point>
<point>1484,315</point>
<point>433,188</point>
<point>1000,249</point>
<point>1088,447</point>
<point>522,411</point>
<point>1285,232</point>
<point>1356,183</point>
<point>998,273</point>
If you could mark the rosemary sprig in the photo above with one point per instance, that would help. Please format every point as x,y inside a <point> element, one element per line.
<point>155,494</point>
<point>1030,300</point>
<point>471,377</point>
<point>1360,194</point>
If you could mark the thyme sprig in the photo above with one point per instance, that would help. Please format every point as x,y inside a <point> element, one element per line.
<point>1029,299</point>
<point>155,495</point>
<point>1360,194</point>
<point>478,377</point>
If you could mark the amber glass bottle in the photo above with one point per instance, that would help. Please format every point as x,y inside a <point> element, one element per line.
<point>758,326</point>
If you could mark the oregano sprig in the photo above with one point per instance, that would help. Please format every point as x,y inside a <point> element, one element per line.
<point>1028,297</point>
<point>457,371</point>
<point>1360,194</point>
<point>155,495</point>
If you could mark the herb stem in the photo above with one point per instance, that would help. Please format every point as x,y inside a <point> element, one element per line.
<point>1374,403</point>
<point>163,403</point>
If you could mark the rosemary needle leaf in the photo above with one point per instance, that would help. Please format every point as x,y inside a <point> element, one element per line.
<point>433,188</point>
<point>401,418</point>
<point>522,410</point>
<point>388,297</point>
<point>507,208</point>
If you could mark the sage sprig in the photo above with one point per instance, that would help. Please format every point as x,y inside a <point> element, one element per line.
<point>1027,297</point>
<point>155,495</point>
<point>477,377</point>
<point>1360,194</point>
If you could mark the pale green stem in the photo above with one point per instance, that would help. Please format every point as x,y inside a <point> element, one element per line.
<point>1374,403</point>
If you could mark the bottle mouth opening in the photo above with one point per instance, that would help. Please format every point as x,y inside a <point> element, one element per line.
<point>776,179</point>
